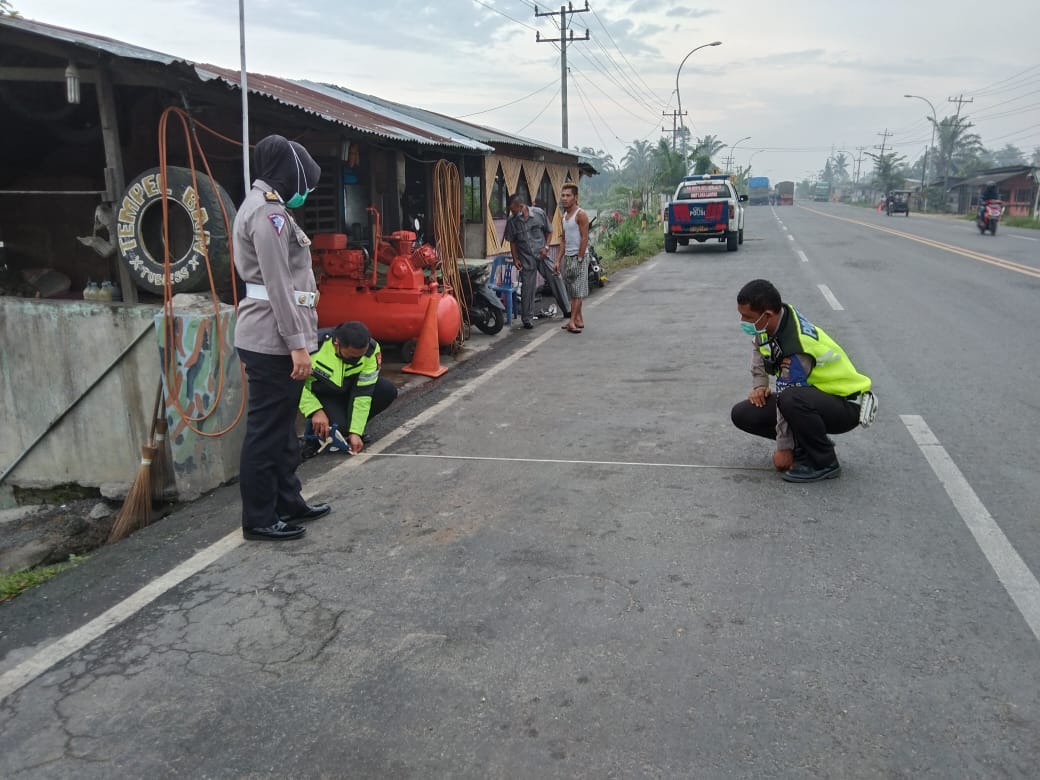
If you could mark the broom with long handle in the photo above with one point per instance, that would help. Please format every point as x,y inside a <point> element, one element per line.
<point>162,468</point>
<point>136,511</point>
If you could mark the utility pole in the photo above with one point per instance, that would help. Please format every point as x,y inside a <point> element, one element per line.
<point>674,114</point>
<point>859,160</point>
<point>563,40</point>
<point>959,100</point>
<point>881,158</point>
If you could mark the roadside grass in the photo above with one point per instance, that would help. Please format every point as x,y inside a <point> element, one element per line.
<point>650,243</point>
<point>12,585</point>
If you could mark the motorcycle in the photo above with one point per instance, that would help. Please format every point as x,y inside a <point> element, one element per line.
<point>989,216</point>
<point>486,310</point>
<point>596,276</point>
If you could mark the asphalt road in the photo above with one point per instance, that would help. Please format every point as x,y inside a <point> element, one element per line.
<point>563,560</point>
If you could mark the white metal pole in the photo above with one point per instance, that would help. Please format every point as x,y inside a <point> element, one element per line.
<point>245,97</point>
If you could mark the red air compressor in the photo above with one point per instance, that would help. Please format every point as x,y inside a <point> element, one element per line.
<point>395,312</point>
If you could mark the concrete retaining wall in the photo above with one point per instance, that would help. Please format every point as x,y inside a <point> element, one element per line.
<point>51,352</point>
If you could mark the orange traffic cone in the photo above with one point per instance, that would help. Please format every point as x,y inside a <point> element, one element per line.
<point>427,358</point>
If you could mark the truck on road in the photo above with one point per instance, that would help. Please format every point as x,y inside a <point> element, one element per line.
<point>703,207</point>
<point>822,192</point>
<point>758,191</point>
<point>785,193</point>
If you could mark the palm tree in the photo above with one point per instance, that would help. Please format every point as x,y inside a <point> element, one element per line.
<point>958,149</point>
<point>703,152</point>
<point>888,170</point>
<point>668,167</point>
<point>840,167</point>
<point>607,159</point>
<point>638,164</point>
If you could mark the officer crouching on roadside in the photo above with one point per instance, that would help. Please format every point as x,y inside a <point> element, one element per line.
<point>344,390</point>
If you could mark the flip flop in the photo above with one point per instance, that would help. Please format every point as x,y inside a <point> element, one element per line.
<point>572,330</point>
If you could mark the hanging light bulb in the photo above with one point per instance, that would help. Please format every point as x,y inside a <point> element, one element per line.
<point>72,83</point>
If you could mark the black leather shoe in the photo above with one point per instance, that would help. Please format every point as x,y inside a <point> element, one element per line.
<point>528,325</point>
<point>279,532</point>
<point>310,513</point>
<point>806,472</point>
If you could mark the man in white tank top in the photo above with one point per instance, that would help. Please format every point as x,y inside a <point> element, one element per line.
<point>575,259</point>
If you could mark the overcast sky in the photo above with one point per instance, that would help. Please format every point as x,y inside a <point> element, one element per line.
<point>798,76</point>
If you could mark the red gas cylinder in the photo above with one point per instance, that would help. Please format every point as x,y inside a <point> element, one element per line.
<point>393,316</point>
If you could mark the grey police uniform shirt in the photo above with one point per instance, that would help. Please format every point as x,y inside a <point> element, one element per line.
<point>529,235</point>
<point>272,250</point>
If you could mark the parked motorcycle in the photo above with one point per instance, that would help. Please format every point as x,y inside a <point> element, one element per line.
<point>486,310</point>
<point>989,216</point>
<point>596,276</point>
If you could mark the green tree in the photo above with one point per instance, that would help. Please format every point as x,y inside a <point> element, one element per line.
<point>6,9</point>
<point>703,153</point>
<point>606,160</point>
<point>959,149</point>
<point>638,166</point>
<point>668,167</point>
<point>840,167</point>
<point>889,171</point>
<point>1007,156</point>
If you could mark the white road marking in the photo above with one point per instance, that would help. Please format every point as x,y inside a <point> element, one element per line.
<point>56,652</point>
<point>1022,238</point>
<point>790,237</point>
<point>801,254</point>
<point>1008,565</point>
<point>31,668</point>
<point>830,297</point>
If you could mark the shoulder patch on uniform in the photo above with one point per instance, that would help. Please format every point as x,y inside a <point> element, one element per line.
<point>273,197</point>
<point>279,222</point>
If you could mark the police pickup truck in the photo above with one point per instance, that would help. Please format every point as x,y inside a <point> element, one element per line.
<point>704,207</point>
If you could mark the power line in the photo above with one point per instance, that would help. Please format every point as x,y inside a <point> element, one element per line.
<point>563,40</point>
<point>585,105</point>
<point>991,87</point>
<point>500,13</point>
<point>510,103</point>
<point>535,118</point>
<point>622,53</point>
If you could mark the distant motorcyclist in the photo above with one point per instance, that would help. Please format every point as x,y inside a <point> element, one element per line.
<point>989,192</point>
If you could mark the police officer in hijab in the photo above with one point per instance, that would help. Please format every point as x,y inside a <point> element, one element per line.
<point>275,333</point>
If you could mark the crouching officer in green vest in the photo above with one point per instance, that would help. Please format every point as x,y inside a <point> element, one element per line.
<point>344,390</point>
<point>817,390</point>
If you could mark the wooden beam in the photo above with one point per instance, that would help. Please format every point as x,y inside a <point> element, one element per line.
<point>115,178</point>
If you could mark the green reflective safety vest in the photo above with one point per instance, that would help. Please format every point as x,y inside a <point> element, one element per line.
<point>832,371</point>
<point>329,374</point>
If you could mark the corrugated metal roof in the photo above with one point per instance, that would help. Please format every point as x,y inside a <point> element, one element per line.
<point>363,113</point>
<point>488,135</point>
<point>996,175</point>
<point>358,114</point>
<point>98,42</point>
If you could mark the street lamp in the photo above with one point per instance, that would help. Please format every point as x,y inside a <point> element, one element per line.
<point>729,159</point>
<point>678,97</point>
<point>924,166</point>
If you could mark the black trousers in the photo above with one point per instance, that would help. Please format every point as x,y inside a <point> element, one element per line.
<point>270,453</point>
<point>338,406</point>
<point>811,415</point>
